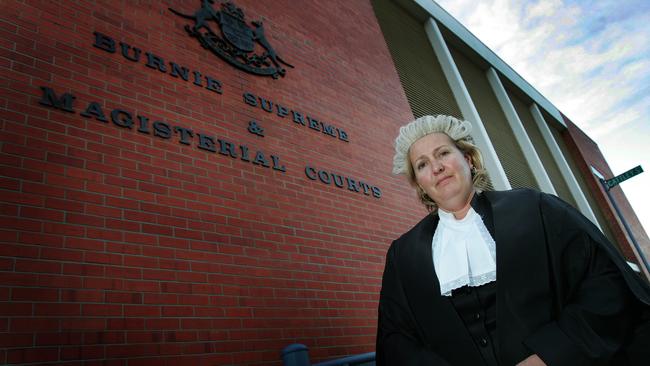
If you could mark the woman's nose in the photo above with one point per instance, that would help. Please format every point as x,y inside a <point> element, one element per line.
<point>437,167</point>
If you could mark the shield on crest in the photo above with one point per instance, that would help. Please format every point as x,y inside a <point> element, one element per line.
<point>237,32</point>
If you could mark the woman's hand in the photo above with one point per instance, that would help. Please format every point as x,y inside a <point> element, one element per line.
<point>533,360</point>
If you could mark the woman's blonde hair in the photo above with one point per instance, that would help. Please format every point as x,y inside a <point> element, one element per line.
<point>459,132</point>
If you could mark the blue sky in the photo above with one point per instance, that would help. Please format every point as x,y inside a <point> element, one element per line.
<point>591,59</point>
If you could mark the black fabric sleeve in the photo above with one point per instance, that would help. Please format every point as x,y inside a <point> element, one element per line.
<point>595,307</point>
<point>397,339</point>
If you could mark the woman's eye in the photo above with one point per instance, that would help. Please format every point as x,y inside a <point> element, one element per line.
<point>421,165</point>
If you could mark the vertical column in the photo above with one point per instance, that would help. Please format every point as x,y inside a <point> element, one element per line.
<point>534,162</point>
<point>562,164</point>
<point>467,108</point>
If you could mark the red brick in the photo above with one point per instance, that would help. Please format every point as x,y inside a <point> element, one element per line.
<point>84,197</point>
<point>83,269</point>
<point>63,229</point>
<point>47,124</point>
<point>138,195</point>
<point>26,265</point>
<point>104,234</point>
<point>66,205</point>
<point>56,338</point>
<point>136,175</point>
<point>170,201</point>
<point>61,254</point>
<point>21,198</point>
<point>82,353</point>
<point>102,168</point>
<point>192,277</point>
<point>123,272</point>
<point>174,287</point>
<point>76,295</point>
<point>121,202</point>
<point>67,161</point>
<point>19,325</point>
<point>142,311</point>
<point>103,283</point>
<point>145,337</point>
<point>14,309</point>
<point>103,211</point>
<point>83,219</point>
<point>157,298</point>
<point>23,151</point>
<point>145,286</point>
<point>8,183</point>
<point>104,258</point>
<point>106,337</point>
<point>160,253</point>
<point>154,188</point>
<point>57,309</point>
<point>154,208</point>
<point>174,243</point>
<point>96,187</point>
<point>41,214</point>
<point>15,250</point>
<point>31,355</point>
<point>81,243</point>
<point>124,298</point>
<point>6,264</point>
<point>135,350</point>
<point>162,324</point>
<point>157,229</point>
<point>152,274</point>
<point>59,281</point>
<point>126,324</point>
<point>140,238</point>
<point>83,324</point>
<point>65,182</point>
<point>101,310</point>
<point>9,340</point>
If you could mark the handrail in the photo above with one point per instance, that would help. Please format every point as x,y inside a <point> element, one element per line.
<point>350,360</point>
<point>298,355</point>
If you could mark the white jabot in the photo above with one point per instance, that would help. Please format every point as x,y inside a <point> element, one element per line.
<point>464,253</point>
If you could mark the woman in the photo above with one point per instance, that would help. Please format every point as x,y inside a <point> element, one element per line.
<point>564,295</point>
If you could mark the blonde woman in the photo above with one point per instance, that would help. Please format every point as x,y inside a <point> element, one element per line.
<point>500,278</point>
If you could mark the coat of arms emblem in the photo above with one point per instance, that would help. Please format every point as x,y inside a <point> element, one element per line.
<point>235,41</point>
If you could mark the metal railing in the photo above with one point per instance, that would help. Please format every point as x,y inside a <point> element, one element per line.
<point>298,355</point>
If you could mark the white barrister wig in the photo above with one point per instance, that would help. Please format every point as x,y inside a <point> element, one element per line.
<point>456,129</point>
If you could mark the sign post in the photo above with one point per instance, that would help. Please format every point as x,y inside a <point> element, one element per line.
<point>613,182</point>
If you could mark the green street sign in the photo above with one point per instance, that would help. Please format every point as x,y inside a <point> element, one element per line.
<point>611,183</point>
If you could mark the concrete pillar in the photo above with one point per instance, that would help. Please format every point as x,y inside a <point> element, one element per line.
<point>558,156</point>
<point>530,154</point>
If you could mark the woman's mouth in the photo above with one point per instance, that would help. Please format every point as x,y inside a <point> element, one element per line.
<point>443,181</point>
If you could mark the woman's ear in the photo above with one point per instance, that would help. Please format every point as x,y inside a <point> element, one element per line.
<point>468,158</point>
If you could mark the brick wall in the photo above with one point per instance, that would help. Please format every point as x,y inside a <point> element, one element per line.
<point>127,238</point>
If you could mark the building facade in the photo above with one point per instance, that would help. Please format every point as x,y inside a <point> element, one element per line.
<point>197,183</point>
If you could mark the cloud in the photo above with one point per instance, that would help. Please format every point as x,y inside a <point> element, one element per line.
<point>590,59</point>
<point>548,43</point>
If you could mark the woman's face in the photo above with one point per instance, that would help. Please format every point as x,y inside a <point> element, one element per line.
<point>442,171</point>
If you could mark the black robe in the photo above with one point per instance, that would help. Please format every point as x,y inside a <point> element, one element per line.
<point>563,292</point>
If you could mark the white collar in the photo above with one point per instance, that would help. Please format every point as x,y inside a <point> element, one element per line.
<point>464,253</point>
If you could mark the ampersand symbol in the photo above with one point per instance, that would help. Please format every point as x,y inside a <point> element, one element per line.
<point>255,128</point>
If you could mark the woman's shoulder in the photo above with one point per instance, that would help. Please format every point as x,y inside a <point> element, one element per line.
<point>516,193</point>
<point>411,244</point>
<point>426,224</point>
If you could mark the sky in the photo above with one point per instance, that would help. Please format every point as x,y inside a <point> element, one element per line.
<point>591,59</point>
